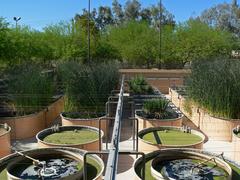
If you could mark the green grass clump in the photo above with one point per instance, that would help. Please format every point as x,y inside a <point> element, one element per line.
<point>87,87</point>
<point>138,85</point>
<point>171,137</point>
<point>156,108</point>
<point>72,137</point>
<point>214,86</point>
<point>30,89</point>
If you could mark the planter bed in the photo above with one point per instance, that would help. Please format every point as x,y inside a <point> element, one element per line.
<point>156,138</point>
<point>177,96</point>
<point>82,137</point>
<point>148,123</point>
<point>157,159</point>
<point>92,122</point>
<point>162,79</point>
<point>28,126</point>
<point>207,123</point>
<point>236,144</point>
<point>5,140</point>
<point>71,161</point>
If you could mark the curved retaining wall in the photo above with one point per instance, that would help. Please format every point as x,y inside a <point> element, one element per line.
<point>148,123</point>
<point>28,126</point>
<point>89,146</point>
<point>215,128</point>
<point>146,147</point>
<point>236,146</point>
<point>53,111</point>
<point>94,122</point>
<point>25,126</point>
<point>5,142</point>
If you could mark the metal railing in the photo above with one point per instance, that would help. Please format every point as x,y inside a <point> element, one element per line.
<point>111,167</point>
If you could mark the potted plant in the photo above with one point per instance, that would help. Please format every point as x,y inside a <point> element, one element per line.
<point>87,89</point>
<point>157,112</point>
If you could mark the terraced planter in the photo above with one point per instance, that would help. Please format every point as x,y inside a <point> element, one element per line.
<point>28,126</point>
<point>183,164</point>
<point>93,122</point>
<point>156,138</point>
<point>82,137</point>
<point>61,163</point>
<point>236,144</point>
<point>5,140</point>
<point>148,123</point>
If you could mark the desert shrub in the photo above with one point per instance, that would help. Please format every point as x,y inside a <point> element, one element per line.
<point>214,86</point>
<point>156,108</point>
<point>139,85</point>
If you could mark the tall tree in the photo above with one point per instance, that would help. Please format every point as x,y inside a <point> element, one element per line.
<point>167,17</point>
<point>104,17</point>
<point>196,40</point>
<point>132,10</point>
<point>118,12</point>
<point>135,41</point>
<point>146,15</point>
<point>223,16</point>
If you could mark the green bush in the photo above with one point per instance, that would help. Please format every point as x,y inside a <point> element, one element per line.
<point>87,88</point>
<point>139,85</point>
<point>214,86</point>
<point>156,108</point>
<point>31,89</point>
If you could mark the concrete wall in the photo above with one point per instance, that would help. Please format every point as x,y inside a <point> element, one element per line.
<point>236,147</point>
<point>94,122</point>
<point>148,123</point>
<point>5,144</point>
<point>161,79</point>
<point>53,111</point>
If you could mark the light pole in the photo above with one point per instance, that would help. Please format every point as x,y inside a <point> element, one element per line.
<point>160,33</point>
<point>16,19</point>
<point>89,38</point>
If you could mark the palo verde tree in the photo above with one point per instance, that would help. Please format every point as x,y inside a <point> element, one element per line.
<point>135,42</point>
<point>196,40</point>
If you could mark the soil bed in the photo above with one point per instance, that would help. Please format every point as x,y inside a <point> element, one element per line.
<point>169,114</point>
<point>82,115</point>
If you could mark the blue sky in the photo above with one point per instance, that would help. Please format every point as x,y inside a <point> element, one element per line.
<point>39,13</point>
